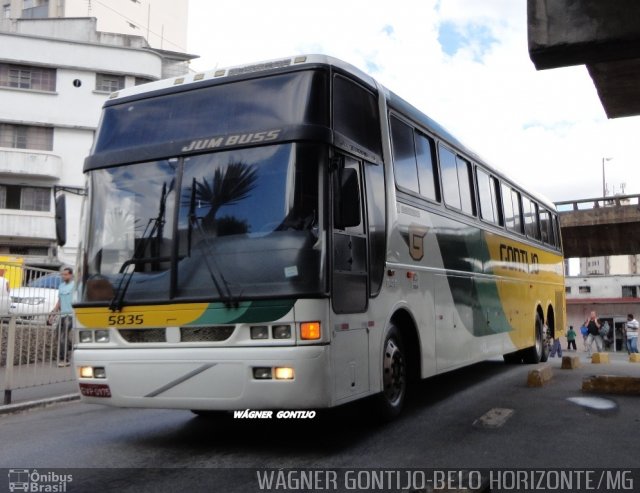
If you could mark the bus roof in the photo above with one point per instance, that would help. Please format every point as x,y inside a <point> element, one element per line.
<point>218,75</point>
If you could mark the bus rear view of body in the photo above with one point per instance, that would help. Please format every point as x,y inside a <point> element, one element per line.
<point>292,235</point>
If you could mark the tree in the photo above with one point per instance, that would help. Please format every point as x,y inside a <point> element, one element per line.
<point>227,186</point>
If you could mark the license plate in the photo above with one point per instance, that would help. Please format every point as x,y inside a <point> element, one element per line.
<point>95,390</point>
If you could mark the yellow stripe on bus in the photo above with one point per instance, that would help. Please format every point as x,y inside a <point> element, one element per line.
<point>528,277</point>
<point>141,315</point>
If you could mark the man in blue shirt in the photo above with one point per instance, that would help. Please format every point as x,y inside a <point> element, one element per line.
<point>65,295</point>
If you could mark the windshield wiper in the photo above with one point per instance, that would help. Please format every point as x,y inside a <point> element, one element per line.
<point>225,290</point>
<point>158,223</point>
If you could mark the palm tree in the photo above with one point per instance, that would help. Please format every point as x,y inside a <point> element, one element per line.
<point>227,186</point>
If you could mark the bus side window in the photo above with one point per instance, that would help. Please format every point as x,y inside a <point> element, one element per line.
<point>427,170</point>
<point>517,211</point>
<point>487,193</point>
<point>545,227</point>
<point>556,229</point>
<point>449,173</point>
<point>467,197</point>
<point>457,183</point>
<point>531,225</point>
<point>355,113</point>
<point>404,155</point>
<point>507,207</point>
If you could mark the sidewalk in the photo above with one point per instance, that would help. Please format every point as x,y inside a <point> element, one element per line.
<point>37,384</point>
<point>619,364</point>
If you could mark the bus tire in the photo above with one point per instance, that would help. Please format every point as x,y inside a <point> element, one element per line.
<point>394,376</point>
<point>539,352</point>
<point>513,358</point>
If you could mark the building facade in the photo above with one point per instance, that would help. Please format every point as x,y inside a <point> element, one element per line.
<point>612,297</point>
<point>55,75</point>
<point>163,23</point>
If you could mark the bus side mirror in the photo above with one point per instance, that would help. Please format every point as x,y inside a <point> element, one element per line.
<point>347,203</point>
<point>61,220</point>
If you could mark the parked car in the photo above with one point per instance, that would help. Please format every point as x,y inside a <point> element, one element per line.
<point>37,298</point>
<point>5,300</point>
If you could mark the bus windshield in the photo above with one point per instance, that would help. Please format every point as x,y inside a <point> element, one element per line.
<point>243,106</point>
<point>221,226</point>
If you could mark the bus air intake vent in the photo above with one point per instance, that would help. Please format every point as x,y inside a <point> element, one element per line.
<point>213,333</point>
<point>143,335</point>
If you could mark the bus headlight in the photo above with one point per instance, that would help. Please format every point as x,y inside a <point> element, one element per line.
<point>259,332</point>
<point>262,373</point>
<point>283,373</point>
<point>85,336</point>
<point>102,336</point>
<point>93,372</point>
<point>282,332</point>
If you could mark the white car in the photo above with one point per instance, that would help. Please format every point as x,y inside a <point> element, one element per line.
<point>38,298</point>
<point>5,299</point>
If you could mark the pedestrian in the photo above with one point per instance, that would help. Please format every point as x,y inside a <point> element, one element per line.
<point>556,348</point>
<point>593,326</point>
<point>632,334</point>
<point>571,339</point>
<point>64,308</point>
<point>585,332</point>
<point>623,338</point>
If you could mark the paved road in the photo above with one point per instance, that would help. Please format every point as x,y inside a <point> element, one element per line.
<point>436,430</point>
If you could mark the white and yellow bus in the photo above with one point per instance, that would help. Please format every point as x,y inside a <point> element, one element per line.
<point>292,235</point>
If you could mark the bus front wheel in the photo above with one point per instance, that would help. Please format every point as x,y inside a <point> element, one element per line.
<point>394,375</point>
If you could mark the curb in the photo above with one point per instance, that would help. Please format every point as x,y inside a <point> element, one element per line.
<point>23,406</point>
<point>611,384</point>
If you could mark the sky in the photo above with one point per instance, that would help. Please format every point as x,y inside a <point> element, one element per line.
<point>465,63</point>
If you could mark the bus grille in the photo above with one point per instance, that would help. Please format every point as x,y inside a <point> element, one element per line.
<point>206,334</point>
<point>143,335</point>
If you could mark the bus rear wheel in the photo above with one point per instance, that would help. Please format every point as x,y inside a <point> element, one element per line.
<point>539,352</point>
<point>394,376</point>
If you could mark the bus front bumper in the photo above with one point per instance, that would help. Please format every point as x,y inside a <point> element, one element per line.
<point>206,378</point>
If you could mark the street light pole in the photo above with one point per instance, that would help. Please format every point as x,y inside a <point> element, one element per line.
<point>604,183</point>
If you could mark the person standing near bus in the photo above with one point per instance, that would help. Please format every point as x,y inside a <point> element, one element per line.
<point>571,339</point>
<point>593,326</point>
<point>63,306</point>
<point>632,334</point>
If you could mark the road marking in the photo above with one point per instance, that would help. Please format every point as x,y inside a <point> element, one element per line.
<point>494,418</point>
<point>593,402</point>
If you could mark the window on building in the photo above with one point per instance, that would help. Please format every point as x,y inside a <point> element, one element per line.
<point>567,290</point>
<point>6,11</point>
<point>25,198</point>
<point>142,80</point>
<point>584,289</point>
<point>27,77</point>
<point>109,82</point>
<point>26,137</point>
<point>629,291</point>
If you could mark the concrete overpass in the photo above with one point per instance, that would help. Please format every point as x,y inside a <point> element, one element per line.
<point>603,35</point>
<point>601,226</point>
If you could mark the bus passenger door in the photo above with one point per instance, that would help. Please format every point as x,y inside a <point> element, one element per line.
<point>350,281</point>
